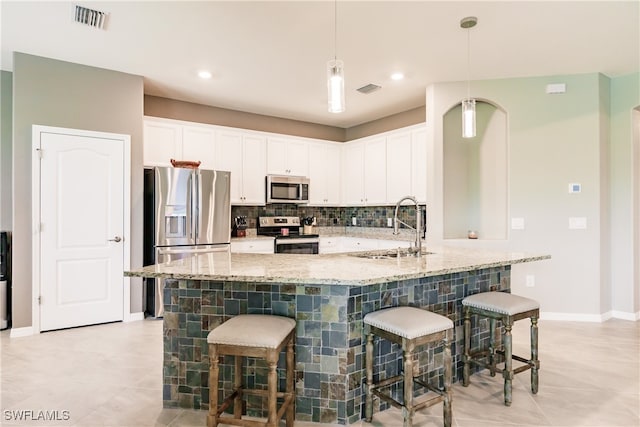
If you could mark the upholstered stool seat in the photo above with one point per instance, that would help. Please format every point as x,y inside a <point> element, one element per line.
<point>409,327</point>
<point>507,308</point>
<point>259,336</point>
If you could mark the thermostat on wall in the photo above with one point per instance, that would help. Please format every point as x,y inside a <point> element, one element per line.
<point>575,188</point>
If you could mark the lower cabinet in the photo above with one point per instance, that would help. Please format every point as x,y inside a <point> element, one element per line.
<point>252,246</point>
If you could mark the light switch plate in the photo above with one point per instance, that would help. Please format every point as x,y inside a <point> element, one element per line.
<point>517,223</point>
<point>577,223</point>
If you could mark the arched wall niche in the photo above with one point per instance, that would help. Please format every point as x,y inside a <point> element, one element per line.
<point>476,174</point>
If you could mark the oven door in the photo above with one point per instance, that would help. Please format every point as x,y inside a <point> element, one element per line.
<point>296,246</point>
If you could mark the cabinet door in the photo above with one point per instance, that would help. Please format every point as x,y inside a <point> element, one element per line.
<point>399,167</point>
<point>254,167</point>
<point>277,156</point>
<point>287,157</point>
<point>298,158</point>
<point>162,142</point>
<point>375,172</point>
<point>229,158</point>
<point>317,174</point>
<point>419,164</point>
<point>198,143</point>
<point>333,174</point>
<point>353,173</point>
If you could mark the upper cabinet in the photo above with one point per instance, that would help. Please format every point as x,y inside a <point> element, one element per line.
<point>162,142</point>
<point>376,170</point>
<point>165,140</point>
<point>324,174</point>
<point>364,172</point>
<point>243,154</point>
<point>287,156</point>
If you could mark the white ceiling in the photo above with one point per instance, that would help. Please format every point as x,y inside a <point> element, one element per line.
<point>270,57</point>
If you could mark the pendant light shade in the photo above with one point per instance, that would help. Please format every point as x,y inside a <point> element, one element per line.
<point>335,85</point>
<point>468,118</point>
<point>469,104</point>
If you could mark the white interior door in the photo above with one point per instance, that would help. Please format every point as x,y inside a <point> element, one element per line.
<point>81,230</point>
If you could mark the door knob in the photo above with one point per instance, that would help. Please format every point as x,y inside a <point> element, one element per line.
<point>116,239</point>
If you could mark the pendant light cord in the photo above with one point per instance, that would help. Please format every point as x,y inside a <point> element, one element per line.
<point>468,63</point>
<point>335,30</point>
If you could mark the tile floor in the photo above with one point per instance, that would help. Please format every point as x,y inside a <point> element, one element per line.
<point>110,375</point>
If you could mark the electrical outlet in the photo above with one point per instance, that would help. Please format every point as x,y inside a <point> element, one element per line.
<point>389,222</point>
<point>530,280</point>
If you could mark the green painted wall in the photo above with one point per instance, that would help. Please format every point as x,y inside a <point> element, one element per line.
<point>554,140</point>
<point>55,93</point>
<point>6,116</point>
<point>625,193</point>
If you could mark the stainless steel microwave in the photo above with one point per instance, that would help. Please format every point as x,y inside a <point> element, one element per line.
<point>287,189</point>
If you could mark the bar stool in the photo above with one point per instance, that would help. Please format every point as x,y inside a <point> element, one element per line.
<point>508,309</point>
<point>410,327</point>
<point>260,336</point>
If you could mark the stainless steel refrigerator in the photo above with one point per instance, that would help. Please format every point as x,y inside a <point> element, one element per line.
<point>187,212</point>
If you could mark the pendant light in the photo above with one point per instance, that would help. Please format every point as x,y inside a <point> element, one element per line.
<point>335,72</point>
<point>468,104</point>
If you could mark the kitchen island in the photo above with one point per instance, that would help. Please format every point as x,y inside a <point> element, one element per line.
<point>328,295</point>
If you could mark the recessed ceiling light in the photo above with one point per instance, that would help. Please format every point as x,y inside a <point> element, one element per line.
<point>204,74</point>
<point>397,76</point>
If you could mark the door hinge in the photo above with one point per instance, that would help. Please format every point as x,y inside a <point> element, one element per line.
<point>39,150</point>
<point>40,300</point>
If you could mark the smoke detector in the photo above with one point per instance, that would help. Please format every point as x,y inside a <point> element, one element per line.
<point>90,17</point>
<point>367,89</point>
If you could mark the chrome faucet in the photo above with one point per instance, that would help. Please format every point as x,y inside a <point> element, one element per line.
<point>417,249</point>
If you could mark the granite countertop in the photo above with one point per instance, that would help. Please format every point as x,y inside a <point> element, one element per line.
<point>330,269</point>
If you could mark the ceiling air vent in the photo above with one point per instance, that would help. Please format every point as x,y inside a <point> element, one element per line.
<point>367,89</point>
<point>91,17</point>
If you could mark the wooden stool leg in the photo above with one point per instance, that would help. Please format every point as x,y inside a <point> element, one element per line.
<point>508,364</point>
<point>447,379</point>
<point>368,411</point>
<point>467,346</point>
<point>492,347</point>
<point>534,355</point>
<point>212,417</point>
<point>407,408</point>
<point>291,410</point>
<point>272,388</point>
<point>237,385</point>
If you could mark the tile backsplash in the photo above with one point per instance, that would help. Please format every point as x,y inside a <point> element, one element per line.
<point>366,216</point>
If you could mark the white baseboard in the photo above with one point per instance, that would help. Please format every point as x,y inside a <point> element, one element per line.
<point>582,317</point>
<point>133,317</point>
<point>21,332</point>
<point>625,315</point>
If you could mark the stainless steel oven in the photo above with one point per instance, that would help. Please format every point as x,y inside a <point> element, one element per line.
<point>288,238</point>
<point>296,245</point>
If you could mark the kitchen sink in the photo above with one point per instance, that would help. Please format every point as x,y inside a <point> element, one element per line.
<point>388,254</point>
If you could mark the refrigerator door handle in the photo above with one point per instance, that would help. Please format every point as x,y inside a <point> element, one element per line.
<point>191,211</point>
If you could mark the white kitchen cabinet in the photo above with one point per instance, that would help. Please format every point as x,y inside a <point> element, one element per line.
<point>162,142</point>
<point>419,164</point>
<point>364,172</point>
<point>399,166</point>
<point>324,174</point>
<point>198,144</point>
<point>165,140</point>
<point>287,156</point>
<point>244,155</point>
<point>407,165</point>
<point>252,246</point>
<point>329,245</point>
